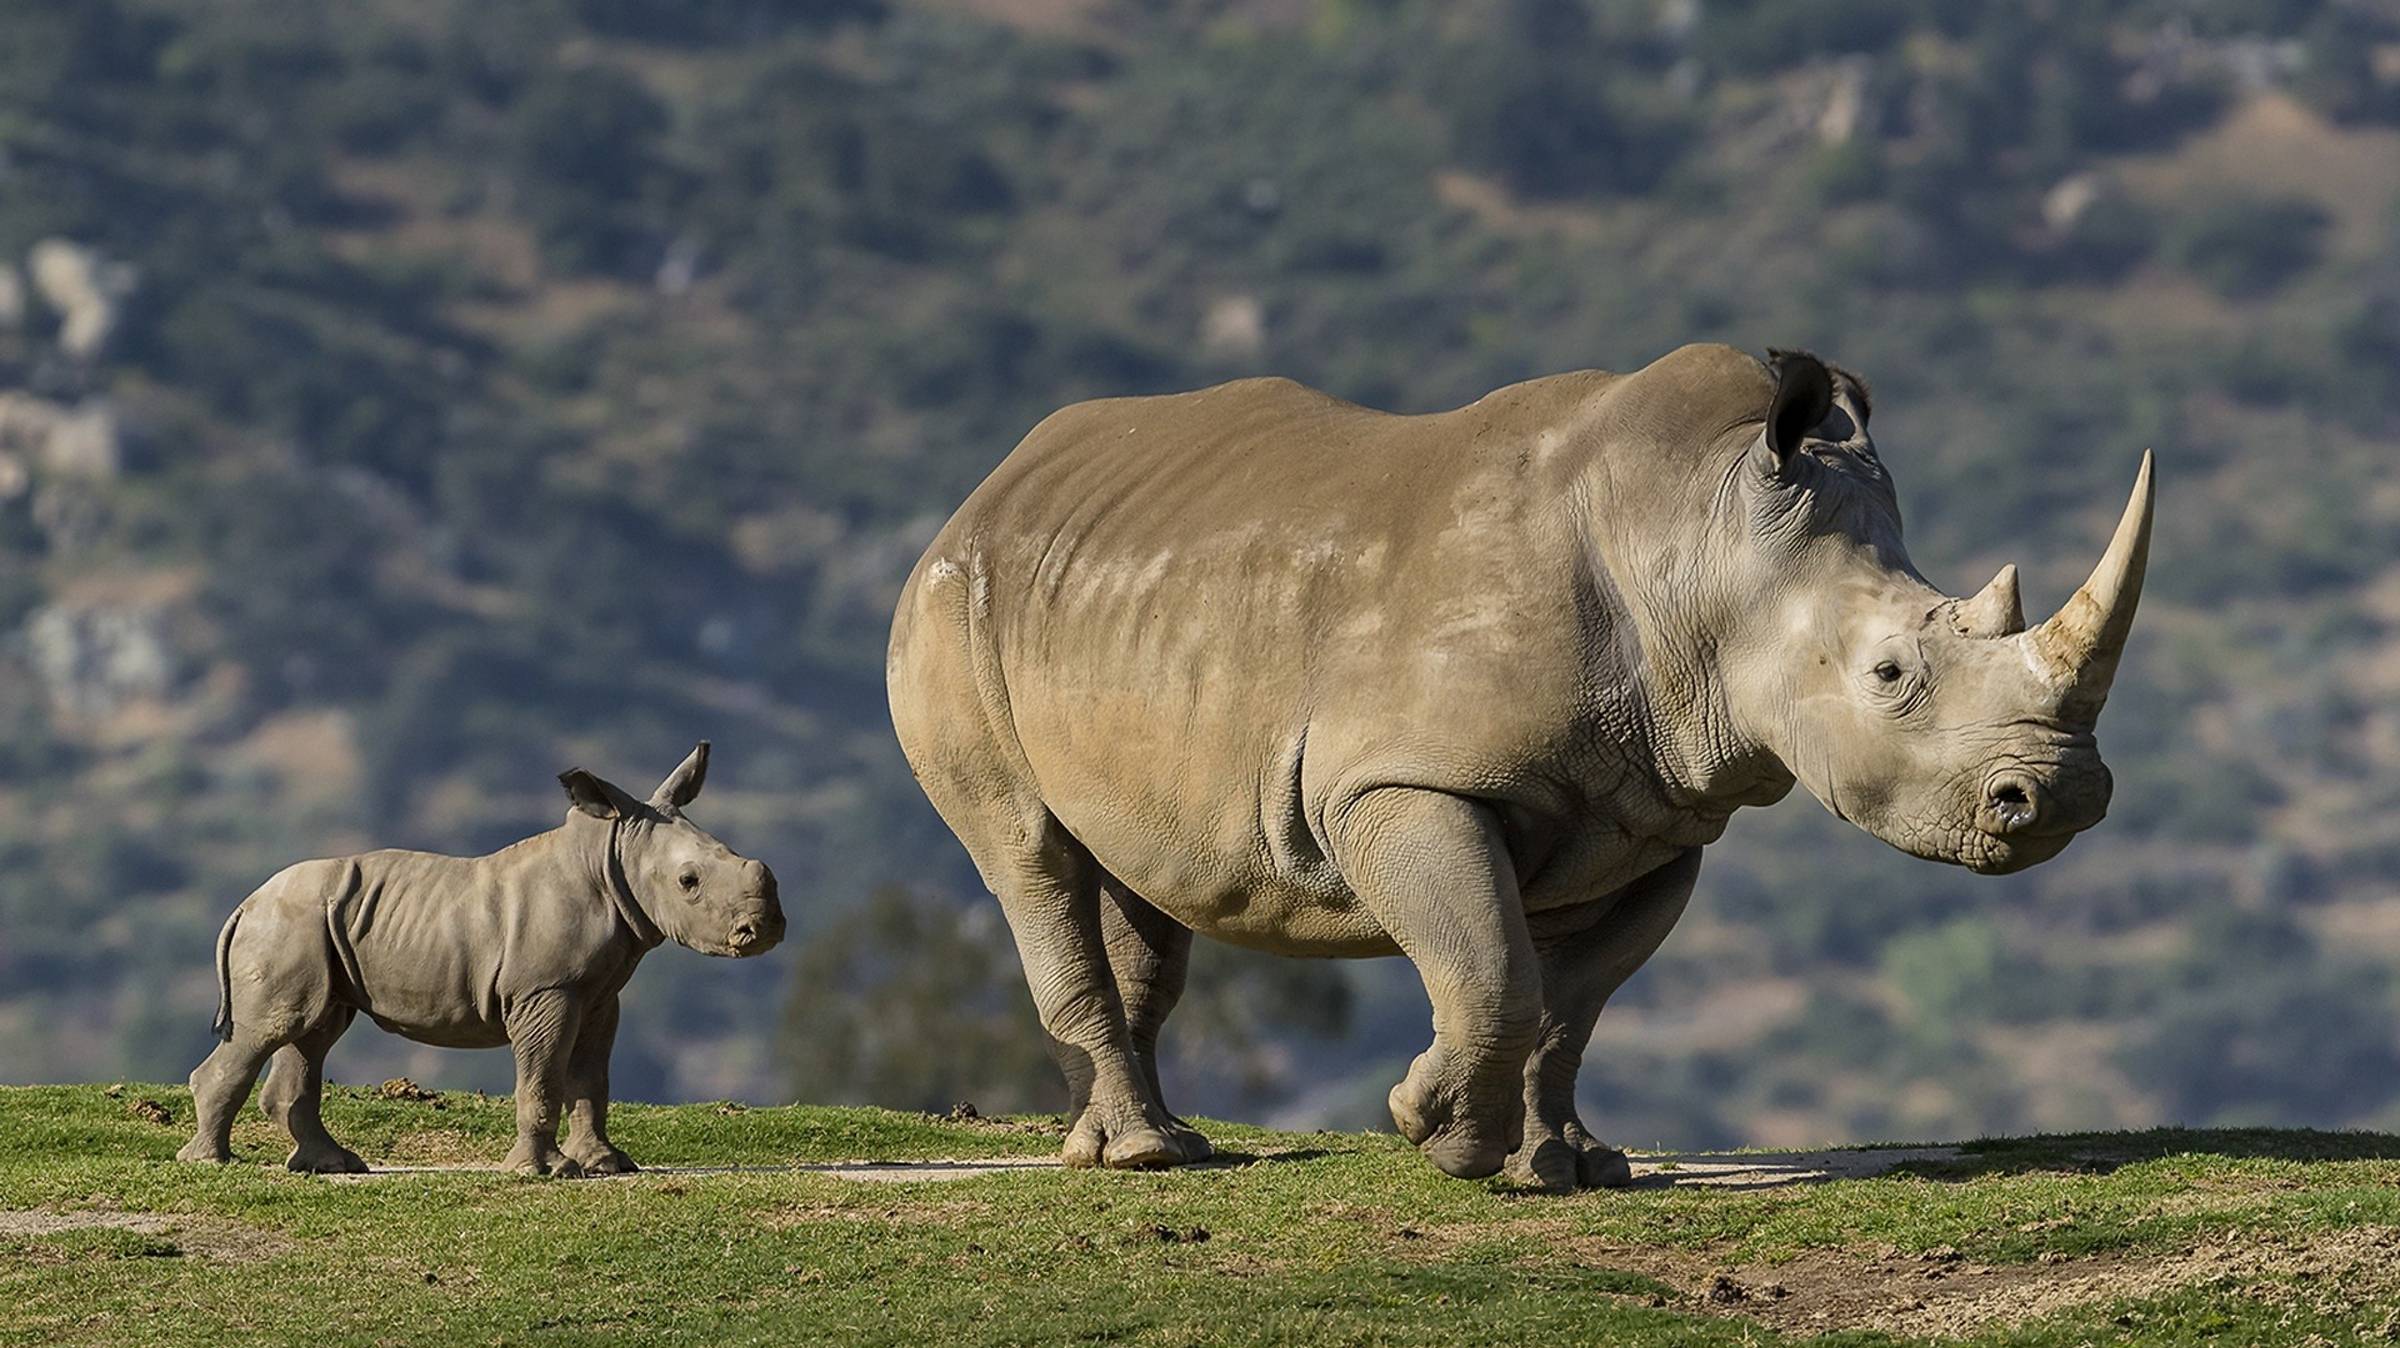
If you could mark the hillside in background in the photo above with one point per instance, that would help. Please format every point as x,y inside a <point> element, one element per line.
<point>401,402</point>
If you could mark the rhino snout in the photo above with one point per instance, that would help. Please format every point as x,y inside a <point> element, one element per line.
<point>758,930</point>
<point>2019,801</point>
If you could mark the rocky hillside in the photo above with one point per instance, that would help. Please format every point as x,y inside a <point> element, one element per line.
<point>398,405</point>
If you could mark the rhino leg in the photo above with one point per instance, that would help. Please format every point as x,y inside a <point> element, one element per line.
<point>587,1087</point>
<point>541,1032</point>
<point>1049,887</point>
<point>1581,967</point>
<point>219,1085</point>
<point>296,1087</point>
<point>951,714</point>
<point>1434,872</point>
<point>1148,954</point>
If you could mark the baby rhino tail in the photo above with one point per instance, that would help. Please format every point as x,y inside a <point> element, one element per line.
<point>224,1025</point>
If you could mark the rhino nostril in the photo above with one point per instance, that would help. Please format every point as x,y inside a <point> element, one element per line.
<point>744,933</point>
<point>2011,803</point>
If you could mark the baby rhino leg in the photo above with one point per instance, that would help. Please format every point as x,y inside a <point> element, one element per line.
<point>219,1085</point>
<point>279,988</point>
<point>587,1087</point>
<point>541,1031</point>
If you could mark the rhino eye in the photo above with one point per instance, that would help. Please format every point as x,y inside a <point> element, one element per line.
<point>1888,672</point>
<point>690,880</point>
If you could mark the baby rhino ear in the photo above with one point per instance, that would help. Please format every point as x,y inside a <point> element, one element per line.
<point>591,795</point>
<point>683,784</point>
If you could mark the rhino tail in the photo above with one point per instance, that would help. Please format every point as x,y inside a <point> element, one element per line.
<point>224,1024</point>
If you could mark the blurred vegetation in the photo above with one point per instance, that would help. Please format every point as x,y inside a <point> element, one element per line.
<point>492,388</point>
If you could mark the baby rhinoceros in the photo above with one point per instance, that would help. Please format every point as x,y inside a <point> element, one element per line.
<point>526,947</point>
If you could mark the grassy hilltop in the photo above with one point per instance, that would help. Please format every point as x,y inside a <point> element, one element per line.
<point>2237,1237</point>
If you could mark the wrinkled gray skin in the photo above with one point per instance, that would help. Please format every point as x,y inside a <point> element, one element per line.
<point>1475,688</point>
<point>528,947</point>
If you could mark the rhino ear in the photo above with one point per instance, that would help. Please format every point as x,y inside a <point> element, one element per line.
<point>1854,387</point>
<point>1803,398</point>
<point>591,795</point>
<point>683,784</point>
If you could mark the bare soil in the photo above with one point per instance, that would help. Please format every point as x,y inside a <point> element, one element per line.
<point>203,1237</point>
<point>1937,1295</point>
<point>1774,1169</point>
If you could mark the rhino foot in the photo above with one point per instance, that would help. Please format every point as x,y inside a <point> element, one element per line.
<point>1455,1145</point>
<point>1142,1146</point>
<point>1569,1160</point>
<point>551,1164</point>
<point>1189,1141</point>
<point>605,1162</point>
<point>325,1160</point>
<point>204,1152</point>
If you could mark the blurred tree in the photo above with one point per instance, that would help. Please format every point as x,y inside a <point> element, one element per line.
<point>2243,245</point>
<point>584,150</point>
<point>918,1002</point>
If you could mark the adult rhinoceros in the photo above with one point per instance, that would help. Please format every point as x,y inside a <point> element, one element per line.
<point>1473,687</point>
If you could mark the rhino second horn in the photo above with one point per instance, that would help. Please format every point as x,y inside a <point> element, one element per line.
<point>2080,645</point>
<point>1995,611</point>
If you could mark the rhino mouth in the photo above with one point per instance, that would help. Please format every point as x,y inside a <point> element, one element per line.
<point>752,936</point>
<point>2007,857</point>
<point>1978,848</point>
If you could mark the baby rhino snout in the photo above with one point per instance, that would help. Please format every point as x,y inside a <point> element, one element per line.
<point>760,925</point>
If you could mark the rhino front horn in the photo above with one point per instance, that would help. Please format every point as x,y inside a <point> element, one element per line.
<point>2080,645</point>
<point>1995,611</point>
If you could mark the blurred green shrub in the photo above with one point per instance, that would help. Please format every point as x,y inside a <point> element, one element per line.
<point>2247,245</point>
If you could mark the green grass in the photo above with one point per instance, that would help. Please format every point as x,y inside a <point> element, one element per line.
<point>1316,1238</point>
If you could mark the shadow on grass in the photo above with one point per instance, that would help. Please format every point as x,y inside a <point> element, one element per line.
<point>1230,1159</point>
<point>2101,1153</point>
<point>2071,1153</point>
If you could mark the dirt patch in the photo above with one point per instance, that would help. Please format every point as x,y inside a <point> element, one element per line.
<point>902,1172</point>
<point>200,1237</point>
<point>1938,1294</point>
<point>479,1162</point>
<point>919,1212</point>
<point>1775,1169</point>
<point>401,1088</point>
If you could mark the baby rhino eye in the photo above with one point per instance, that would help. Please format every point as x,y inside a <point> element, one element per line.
<point>689,879</point>
<point>1888,672</point>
